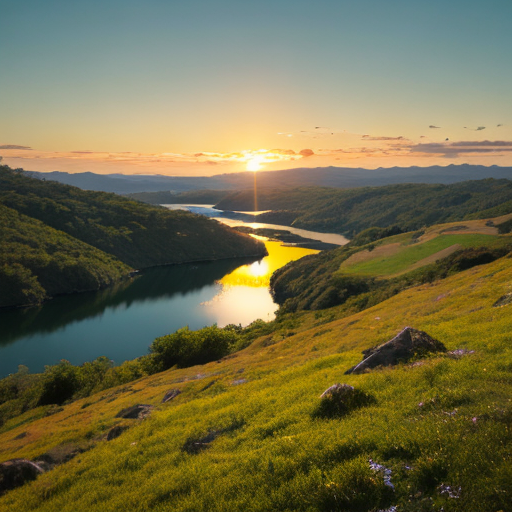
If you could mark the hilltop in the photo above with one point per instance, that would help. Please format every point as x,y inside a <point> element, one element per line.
<point>407,206</point>
<point>337,177</point>
<point>65,237</point>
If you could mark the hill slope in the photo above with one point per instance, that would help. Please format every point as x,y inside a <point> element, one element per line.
<point>37,262</point>
<point>435,435</point>
<point>138,234</point>
<point>362,275</point>
<point>348,212</point>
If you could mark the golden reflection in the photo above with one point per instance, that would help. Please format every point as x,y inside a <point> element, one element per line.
<point>258,273</point>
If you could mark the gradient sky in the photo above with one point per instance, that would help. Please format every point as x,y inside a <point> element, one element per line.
<point>202,87</point>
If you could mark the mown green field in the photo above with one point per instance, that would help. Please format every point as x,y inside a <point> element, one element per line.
<point>408,255</point>
<point>442,425</point>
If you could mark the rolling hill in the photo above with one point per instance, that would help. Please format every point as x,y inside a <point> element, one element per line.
<point>247,432</point>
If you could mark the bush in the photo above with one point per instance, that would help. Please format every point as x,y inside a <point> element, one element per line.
<point>188,348</point>
<point>59,383</point>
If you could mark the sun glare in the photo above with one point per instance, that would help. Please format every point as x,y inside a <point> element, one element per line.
<point>254,164</point>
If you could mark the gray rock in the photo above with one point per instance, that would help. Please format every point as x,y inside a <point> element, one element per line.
<point>405,345</point>
<point>504,300</point>
<point>136,412</point>
<point>170,395</point>
<point>16,472</point>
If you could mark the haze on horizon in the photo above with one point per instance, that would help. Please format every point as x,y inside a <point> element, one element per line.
<point>203,88</point>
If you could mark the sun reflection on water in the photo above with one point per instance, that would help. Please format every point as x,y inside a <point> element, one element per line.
<point>258,273</point>
<point>245,293</point>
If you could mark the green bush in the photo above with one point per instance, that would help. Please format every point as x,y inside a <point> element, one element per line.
<point>59,383</point>
<point>188,348</point>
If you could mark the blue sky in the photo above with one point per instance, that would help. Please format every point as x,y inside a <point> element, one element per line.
<point>223,77</point>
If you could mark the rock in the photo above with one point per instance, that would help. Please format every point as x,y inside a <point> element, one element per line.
<point>16,472</point>
<point>405,345</point>
<point>504,300</point>
<point>170,395</point>
<point>193,446</point>
<point>340,399</point>
<point>115,432</point>
<point>136,412</point>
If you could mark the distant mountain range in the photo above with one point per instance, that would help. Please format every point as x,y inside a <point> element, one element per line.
<point>339,177</point>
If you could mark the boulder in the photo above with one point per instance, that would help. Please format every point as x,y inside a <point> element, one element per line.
<point>504,300</point>
<point>196,445</point>
<point>16,472</point>
<point>339,399</point>
<point>404,346</point>
<point>135,412</point>
<point>170,395</point>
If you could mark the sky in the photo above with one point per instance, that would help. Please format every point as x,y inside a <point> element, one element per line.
<point>206,87</point>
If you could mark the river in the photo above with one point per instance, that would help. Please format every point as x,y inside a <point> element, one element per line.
<point>121,321</point>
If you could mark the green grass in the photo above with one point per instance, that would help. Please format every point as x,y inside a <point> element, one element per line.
<point>410,254</point>
<point>274,453</point>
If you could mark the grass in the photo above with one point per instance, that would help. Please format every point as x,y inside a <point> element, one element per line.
<point>408,255</point>
<point>435,423</point>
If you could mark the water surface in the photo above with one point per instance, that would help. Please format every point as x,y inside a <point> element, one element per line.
<point>120,322</point>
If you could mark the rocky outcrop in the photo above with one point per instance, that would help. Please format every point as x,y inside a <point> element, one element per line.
<point>407,344</point>
<point>504,300</point>
<point>170,395</point>
<point>16,472</point>
<point>136,412</point>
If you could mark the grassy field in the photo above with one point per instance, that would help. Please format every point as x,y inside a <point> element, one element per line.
<point>441,425</point>
<point>401,257</point>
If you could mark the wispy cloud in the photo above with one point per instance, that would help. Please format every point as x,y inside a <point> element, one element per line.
<point>14,146</point>
<point>433,127</point>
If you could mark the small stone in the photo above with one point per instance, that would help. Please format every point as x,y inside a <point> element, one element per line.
<point>115,432</point>
<point>170,395</point>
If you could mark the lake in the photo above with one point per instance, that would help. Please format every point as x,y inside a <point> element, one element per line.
<point>121,321</point>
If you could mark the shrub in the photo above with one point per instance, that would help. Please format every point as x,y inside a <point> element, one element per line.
<point>188,348</point>
<point>59,383</point>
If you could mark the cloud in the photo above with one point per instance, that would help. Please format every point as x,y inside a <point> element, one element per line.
<point>306,152</point>
<point>434,127</point>
<point>367,137</point>
<point>499,125</point>
<point>454,149</point>
<point>14,146</point>
<point>478,129</point>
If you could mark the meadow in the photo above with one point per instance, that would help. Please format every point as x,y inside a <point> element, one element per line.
<point>435,437</point>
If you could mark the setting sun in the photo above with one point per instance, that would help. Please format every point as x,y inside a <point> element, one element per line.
<point>254,164</point>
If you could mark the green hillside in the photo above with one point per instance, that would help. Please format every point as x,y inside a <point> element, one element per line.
<point>59,239</point>
<point>138,234</point>
<point>37,262</point>
<point>246,433</point>
<point>408,206</point>
<point>363,275</point>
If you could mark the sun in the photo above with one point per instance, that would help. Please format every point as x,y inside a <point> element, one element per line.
<point>254,164</point>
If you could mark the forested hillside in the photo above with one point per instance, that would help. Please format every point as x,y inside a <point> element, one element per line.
<point>84,240</point>
<point>37,262</point>
<point>409,206</point>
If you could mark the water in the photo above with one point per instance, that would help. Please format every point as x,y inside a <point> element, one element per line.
<point>122,321</point>
<point>250,219</point>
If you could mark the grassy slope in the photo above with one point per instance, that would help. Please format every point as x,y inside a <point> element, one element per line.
<point>319,281</point>
<point>274,454</point>
<point>350,211</point>
<point>37,261</point>
<point>138,234</point>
